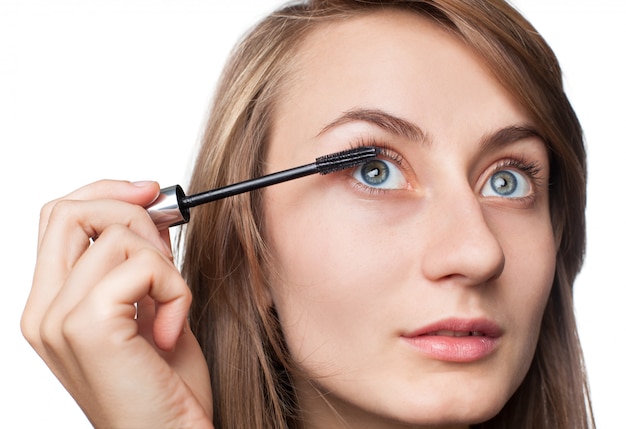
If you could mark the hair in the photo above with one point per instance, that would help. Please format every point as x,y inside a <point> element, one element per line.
<point>227,263</point>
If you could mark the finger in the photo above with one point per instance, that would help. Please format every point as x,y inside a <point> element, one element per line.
<point>43,321</point>
<point>66,247</point>
<point>189,363</point>
<point>113,299</point>
<point>67,238</point>
<point>138,193</point>
<point>116,244</point>
<point>54,344</point>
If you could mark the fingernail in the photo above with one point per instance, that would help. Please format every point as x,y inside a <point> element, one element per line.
<point>142,183</point>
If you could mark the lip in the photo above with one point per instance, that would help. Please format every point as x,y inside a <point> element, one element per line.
<point>448,340</point>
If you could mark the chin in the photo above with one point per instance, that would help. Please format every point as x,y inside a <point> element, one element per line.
<point>452,418</point>
<point>461,408</point>
<point>455,415</point>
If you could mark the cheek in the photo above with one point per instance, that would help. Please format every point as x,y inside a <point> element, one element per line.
<point>531,259</point>
<point>323,247</point>
<point>329,276</point>
<point>527,281</point>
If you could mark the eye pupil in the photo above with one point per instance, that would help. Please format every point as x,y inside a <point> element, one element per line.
<point>504,183</point>
<point>374,172</point>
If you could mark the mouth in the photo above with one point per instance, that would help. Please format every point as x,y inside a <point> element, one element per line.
<point>444,333</point>
<point>456,340</point>
<point>454,327</point>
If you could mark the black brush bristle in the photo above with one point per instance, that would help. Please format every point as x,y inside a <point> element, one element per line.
<point>345,159</point>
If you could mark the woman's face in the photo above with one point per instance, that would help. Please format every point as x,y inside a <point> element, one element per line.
<point>410,289</point>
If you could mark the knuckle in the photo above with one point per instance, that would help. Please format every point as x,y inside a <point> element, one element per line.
<point>58,209</point>
<point>182,289</point>
<point>140,216</point>
<point>72,329</point>
<point>30,331</point>
<point>187,297</point>
<point>49,334</point>
<point>148,257</point>
<point>57,333</point>
<point>116,233</point>
<point>139,211</point>
<point>101,183</point>
<point>46,209</point>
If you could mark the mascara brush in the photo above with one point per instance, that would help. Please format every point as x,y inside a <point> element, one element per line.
<point>172,206</point>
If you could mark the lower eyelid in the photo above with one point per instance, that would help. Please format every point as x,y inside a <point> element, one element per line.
<point>526,202</point>
<point>369,190</point>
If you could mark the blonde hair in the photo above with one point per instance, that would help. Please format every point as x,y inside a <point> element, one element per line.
<point>226,262</point>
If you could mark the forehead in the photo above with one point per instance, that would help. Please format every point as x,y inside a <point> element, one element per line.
<point>397,61</point>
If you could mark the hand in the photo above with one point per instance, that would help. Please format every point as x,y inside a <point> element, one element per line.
<point>109,318</point>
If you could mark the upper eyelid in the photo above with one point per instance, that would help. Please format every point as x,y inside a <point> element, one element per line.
<point>530,168</point>
<point>522,147</point>
<point>391,154</point>
<point>387,150</point>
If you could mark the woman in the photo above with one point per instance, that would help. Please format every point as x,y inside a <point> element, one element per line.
<point>431,287</point>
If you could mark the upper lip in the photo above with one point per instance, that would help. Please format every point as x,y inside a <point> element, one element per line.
<point>458,327</point>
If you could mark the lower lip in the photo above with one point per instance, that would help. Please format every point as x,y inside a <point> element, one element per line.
<point>454,349</point>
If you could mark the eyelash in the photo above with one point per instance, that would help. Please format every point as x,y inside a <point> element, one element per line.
<point>530,168</point>
<point>385,149</point>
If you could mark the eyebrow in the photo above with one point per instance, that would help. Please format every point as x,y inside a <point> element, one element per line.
<point>411,131</point>
<point>508,135</point>
<point>381,119</point>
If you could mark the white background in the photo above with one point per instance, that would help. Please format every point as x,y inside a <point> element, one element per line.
<point>118,89</point>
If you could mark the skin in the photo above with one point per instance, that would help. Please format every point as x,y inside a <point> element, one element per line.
<point>360,269</point>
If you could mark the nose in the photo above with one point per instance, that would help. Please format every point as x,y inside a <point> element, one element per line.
<point>461,244</point>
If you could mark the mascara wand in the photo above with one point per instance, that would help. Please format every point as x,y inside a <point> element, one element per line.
<point>172,206</point>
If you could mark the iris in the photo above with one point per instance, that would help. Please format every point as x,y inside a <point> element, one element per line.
<point>503,183</point>
<point>374,173</point>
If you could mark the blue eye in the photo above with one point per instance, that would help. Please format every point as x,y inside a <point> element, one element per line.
<point>507,184</point>
<point>380,174</point>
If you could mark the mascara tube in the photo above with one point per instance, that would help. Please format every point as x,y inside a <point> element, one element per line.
<point>166,210</point>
